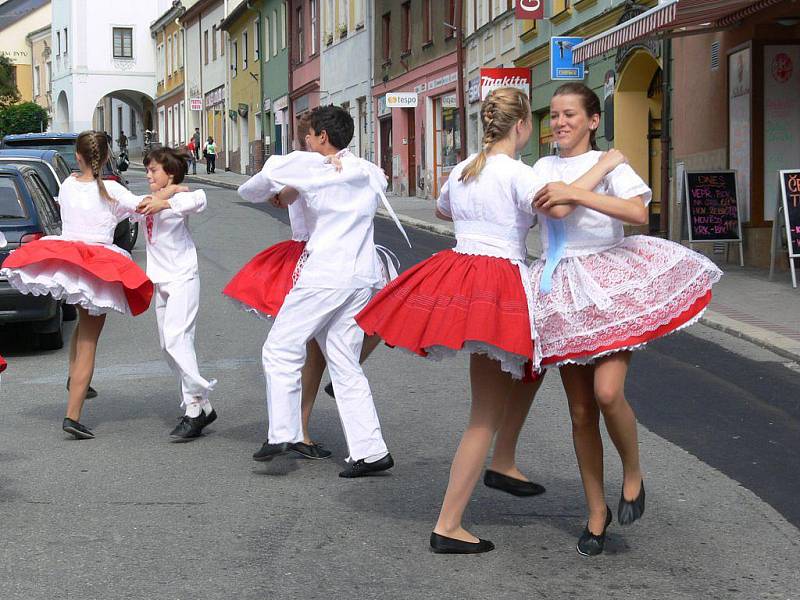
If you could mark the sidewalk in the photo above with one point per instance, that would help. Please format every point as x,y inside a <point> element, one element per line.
<point>746,304</point>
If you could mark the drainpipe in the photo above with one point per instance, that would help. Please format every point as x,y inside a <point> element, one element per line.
<point>666,139</point>
<point>462,113</point>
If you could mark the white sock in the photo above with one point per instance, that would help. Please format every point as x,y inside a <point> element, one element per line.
<point>375,457</point>
<point>207,408</point>
<point>193,409</point>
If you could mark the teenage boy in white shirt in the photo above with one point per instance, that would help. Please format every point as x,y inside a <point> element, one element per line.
<point>172,267</point>
<point>334,283</point>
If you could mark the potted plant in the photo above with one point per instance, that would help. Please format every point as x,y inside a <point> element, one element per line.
<point>342,30</point>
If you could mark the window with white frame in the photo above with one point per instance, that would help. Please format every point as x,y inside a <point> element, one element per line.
<point>256,42</point>
<point>275,32</point>
<point>507,38</point>
<point>312,7</point>
<point>283,25</point>
<point>123,42</point>
<point>330,13</point>
<point>221,39</point>
<point>168,64</point>
<point>66,41</point>
<point>58,43</point>
<point>174,52</point>
<point>213,42</point>
<point>181,39</point>
<point>488,46</point>
<point>357,13</point>
<point>244,50</point>
<point>267,24</point>
<point>48,74</point>
<point>36,83</point>
<point>234,58</point>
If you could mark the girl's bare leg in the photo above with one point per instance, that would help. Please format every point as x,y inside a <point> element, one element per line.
<point>490,390</point>
<point>504,458</point>
<point>370,343</point>
<point>310,379</point>
<point>82,366</point>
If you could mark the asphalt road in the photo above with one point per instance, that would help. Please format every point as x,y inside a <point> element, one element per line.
<point>129,515</point>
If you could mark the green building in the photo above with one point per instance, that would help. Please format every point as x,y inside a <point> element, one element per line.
<point>274,76</point>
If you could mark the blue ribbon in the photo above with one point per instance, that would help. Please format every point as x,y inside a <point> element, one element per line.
<point>556,240</point>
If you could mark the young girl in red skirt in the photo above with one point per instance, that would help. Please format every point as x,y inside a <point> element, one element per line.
<point>474,298</point>
<point>599,295</point>
<point>83,267</point>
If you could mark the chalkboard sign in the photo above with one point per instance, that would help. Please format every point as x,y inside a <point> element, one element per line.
<point>712,206</point>
<point>790,195</point>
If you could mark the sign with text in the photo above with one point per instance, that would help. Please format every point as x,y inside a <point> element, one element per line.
<point>712,206</point>
<point>195,104</point>
<point>516,77</point>
<point>790,195</point>
<point>529,10</point>
<point>561,65</point>
<point>401,100</point>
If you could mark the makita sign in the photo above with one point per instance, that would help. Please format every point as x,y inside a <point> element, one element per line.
<point>516,77</point>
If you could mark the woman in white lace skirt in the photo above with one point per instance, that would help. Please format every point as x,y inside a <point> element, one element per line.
<point>599,296</point>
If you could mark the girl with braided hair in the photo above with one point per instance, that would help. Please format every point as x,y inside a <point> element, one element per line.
<point>83,267</point>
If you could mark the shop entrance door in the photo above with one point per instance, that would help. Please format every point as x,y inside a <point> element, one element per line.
<point>386,148</point>
<point>412,152</point>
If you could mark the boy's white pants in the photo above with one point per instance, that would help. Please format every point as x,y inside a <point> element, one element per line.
<point>329,316</point>
<point>176,313</point>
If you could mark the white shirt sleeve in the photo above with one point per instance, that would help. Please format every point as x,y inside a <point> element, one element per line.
<point>443,201</point>
<point>625,183</point>
<point>125,201</point>
<point>525,183</point>
<point>188,203</point>
<point>299,170</point>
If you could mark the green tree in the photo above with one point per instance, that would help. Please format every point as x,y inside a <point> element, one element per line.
<point>27,117</point>
<point>8,86</point>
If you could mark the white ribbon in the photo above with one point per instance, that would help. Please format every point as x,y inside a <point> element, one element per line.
<point>390,260</point>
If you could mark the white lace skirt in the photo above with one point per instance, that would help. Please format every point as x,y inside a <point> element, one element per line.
<point>618,299</point>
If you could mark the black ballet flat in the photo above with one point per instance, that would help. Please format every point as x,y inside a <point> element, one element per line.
<point>590,544</point>
<point>511,485</point>
<point>628,512</point>
<point>441,544</point>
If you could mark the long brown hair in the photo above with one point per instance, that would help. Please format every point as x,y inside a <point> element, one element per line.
<point>93,148</point>
<point>500,111</point>
<point>590,101</point>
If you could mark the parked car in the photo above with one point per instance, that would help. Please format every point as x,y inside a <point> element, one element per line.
<point>64,143</point>
<point>28,212</point>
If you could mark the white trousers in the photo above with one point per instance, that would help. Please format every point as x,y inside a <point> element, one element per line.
<point>176,313</point>
<point>329,316</point>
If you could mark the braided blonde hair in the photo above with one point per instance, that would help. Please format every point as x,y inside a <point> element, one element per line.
<point>93,148</point>
<point>500,111</point>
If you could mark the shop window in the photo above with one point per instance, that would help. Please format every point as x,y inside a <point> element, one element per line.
<point>407,27</point>
<point>426,22</point>
<point>387,37</point>
<point>559,6</point>
<point>449,32</point>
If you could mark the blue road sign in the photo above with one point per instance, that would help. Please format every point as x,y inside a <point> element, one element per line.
<point>561,67</point>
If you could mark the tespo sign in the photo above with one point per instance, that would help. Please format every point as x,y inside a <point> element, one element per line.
<point>401,100</point>
<point>529,9</point>
<point>516,77</point>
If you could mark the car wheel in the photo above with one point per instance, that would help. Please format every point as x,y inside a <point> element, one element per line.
<point>69,311</point>
<point>55,339</point>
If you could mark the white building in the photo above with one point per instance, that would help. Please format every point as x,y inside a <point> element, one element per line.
<point>99,53</point>
<point>346,66</point>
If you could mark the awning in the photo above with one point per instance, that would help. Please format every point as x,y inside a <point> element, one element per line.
<point>682,15</point>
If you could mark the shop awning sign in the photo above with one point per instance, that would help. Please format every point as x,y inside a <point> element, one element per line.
<point>401,100</point>
<point>516,77</point>
<point>562,66</point>
<point>529,10</point>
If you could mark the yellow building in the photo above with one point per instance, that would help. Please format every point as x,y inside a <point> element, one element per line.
<point>246,148</point>
<point>168,36</point>
<point>17,19</point>
<point>42,68</point>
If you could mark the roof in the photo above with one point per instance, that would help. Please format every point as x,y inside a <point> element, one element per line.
<point>234,16</point>
<point>12,11</point>
<point>173,12</point>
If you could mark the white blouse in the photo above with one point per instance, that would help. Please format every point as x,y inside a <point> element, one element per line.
<point>491,213</point>
<point>88,217</point>
<point>588,231</point>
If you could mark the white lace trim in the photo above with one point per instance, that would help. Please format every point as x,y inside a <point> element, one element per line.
<point>249,309</point>
<point>509,362</point>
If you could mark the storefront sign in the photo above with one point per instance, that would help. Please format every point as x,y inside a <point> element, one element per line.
<point>215,96</point>
<point>712,206</point>
<point>267,104</point>
<point>529,10</point>
<point>401,100</point>
<point>195,104</point>
<point>516,77</point>
<point>790,195</point>
<point>383,110</point>
<point>474,90</point>
<point>449,101</point>
<point>561,65</point>
<point>442,81</point>
<point>421,87</point>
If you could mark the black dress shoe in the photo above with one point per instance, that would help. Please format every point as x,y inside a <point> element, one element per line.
<point>189,428</point>
<point>329,390</point>
<point>590,544</point>
<point>361,468</point>
<point>628,512</point>
<point>516,487</point>
<point>444,545</point>
<point>79,431</point>
<point>269,451</point>
<point>90,391</point>
<point>312,451</point>
<point>211,417</point>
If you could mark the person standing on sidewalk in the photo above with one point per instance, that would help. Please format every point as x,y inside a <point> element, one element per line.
<point>210,152</point>
<point>123,142</point>
<point>599,295</point>
<point>196,143</point>
<point>191,151</point>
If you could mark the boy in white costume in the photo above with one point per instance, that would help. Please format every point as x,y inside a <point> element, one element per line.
<point>335,281</point>
<point>172,267</point>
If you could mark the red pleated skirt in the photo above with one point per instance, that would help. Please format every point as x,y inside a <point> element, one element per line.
<point>454,301</point>
<point>261,285</point>
<point>3,364</point>
<point>93,276</point>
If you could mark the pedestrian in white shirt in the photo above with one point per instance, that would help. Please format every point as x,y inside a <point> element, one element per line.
<point>172,267</point>
<point>338,274</point>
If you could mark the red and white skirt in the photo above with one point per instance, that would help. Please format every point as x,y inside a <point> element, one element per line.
<point>97,277</point>
<point>618,299</point>
<point>3,364</point>
<point>454,301</point>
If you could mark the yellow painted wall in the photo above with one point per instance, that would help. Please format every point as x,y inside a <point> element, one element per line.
<point>246,87</point>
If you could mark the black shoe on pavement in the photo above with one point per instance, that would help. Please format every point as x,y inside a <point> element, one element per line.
<point>516,487</point>
<point>361,468</point>
<point>189,428</point>
<point>590,544</point>
<point>211,417</point>
<point>441,544</point>
<point>329,390</point>
<point>628,512</point>
<point>90,392</point>
<point>312,451</point>
<point>269,451</point>
<point>79,431</point>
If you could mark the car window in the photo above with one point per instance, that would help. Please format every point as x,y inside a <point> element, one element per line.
<point>43,170</point>
<point>12,206</point>
<point>65,147</point>
<point>51,221</point>
<point>62,168</point>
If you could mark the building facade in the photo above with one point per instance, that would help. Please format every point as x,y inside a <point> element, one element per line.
<point>346,66</point>
<point>415,52</point>
<point>274,77</point>
<point>304,52</point>
<point>168,38</point>
<point>42,69</point>
<point>18,18</point>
